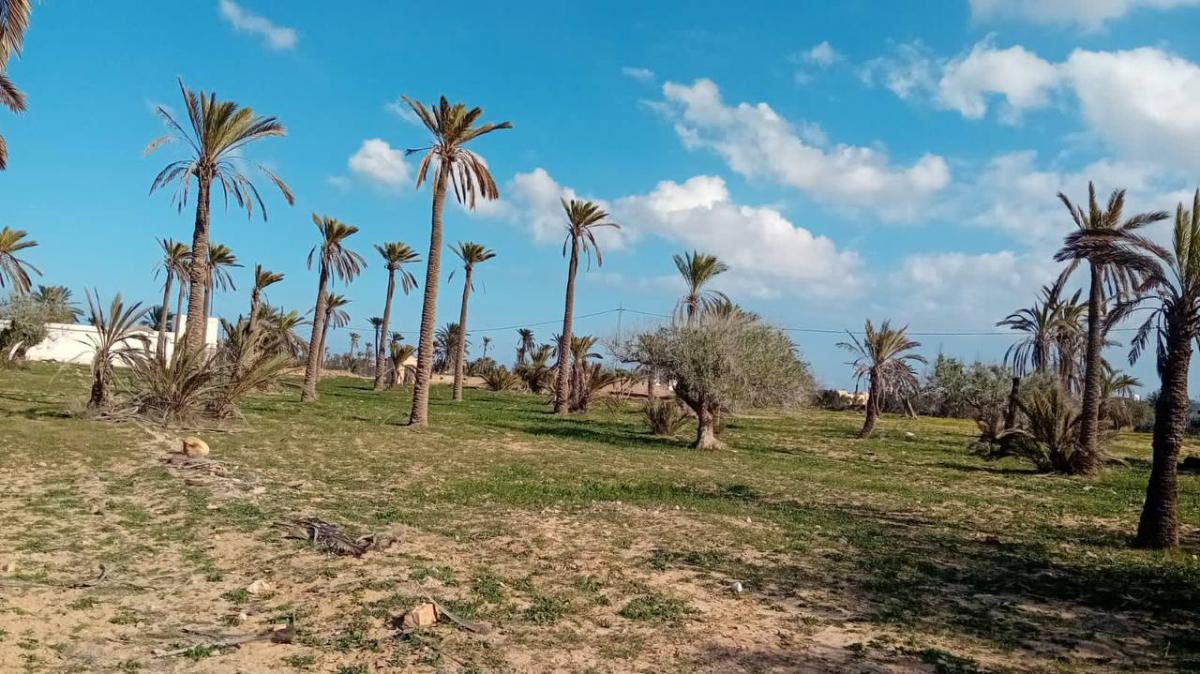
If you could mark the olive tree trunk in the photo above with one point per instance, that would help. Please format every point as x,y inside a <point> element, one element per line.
<point>1014,401</point>
<point>460,360</point>
<point>315,343</point>
<point>706,426</point>
<point>1159,524</point>
<point>381,358</point>
<point>562,387</point>
<point>433,268</point>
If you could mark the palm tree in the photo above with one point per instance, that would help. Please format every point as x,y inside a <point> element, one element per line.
<point>1040,323</point>
<point>336,317</point>
<point>1094,225</point>
<point>354,337</point>
<point>14,21</point>
<point>217,134</point>
<point>57,302</point>
<point>471,254</point>
<point>395,254</point>
<point>487,344</point>
<point>883,358</point>
<point>1171,286</point>
<point>583,219</point>
<point>279,332</point>
<point>376,325</point>
<point>452,126</point>
<point>263,279</point>
<point>525,345</point>
<point>173,264</point>
<point>220,260</point>
<point>114,332</point>
<point>697,269</point>
<point>156,314</point>
<point>446,346</point>
<point>13,270</point>
<point>396,338</point>
<point>334,261</point>
<point>581,351</point>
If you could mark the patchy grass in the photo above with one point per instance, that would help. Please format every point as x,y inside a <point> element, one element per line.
<point>585,543</point>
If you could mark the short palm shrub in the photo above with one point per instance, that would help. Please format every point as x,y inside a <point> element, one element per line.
<point>499,378</point>
<point>1049,437</point>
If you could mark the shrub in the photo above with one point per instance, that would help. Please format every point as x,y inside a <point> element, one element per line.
<point>664,417</point>
<point>500,379</point>
<point>1050,438</point>
<point>27,325</point>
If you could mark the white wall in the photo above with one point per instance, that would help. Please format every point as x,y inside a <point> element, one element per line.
<point>75,343</point>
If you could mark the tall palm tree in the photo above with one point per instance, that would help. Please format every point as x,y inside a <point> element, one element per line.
<point>525,345</point>
<point>220,260</point>
<point>1171,288</point>
<point>335,317</point>
<point>583,219</point>
<point>174,261</point>
<point>883,357</point>
<point>452,127</point>
<point>487,344</point>
<point>396,254</point>
<point>14,21</point>
<point>471,254</point>
<point>354,337</point>
<point>217,134</point>
<point>376,327</point>
<point>697,270</point>
<point>334,261</point>
<point>263,279</point>
<point>1094,225</point>
<point>13,270</point>
<point>57,303</point>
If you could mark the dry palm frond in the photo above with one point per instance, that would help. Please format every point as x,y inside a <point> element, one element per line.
<point>328,536</point>
<point>500,379</point>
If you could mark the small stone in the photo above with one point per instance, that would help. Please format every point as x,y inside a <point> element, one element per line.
<point>258,587</point>
<point>420,616</point>
<point>258,490</point>
<point>736,587</point>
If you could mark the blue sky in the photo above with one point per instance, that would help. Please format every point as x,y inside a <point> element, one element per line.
<point>883,160</point>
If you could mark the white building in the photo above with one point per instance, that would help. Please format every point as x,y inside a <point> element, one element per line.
<point>76,343</point>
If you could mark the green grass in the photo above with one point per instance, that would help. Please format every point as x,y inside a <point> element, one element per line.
<point>949,557</point>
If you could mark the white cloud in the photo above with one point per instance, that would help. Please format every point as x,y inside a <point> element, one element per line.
<point>276,37</point>
<point>1021,77</point>
<point>1143,102</point>
<point>910,72</point>
<point>767,254</point>
<point>970,290</point>
<point>402,110</point>
<point>822,55</point>
<point>1087,14</point>
<point>339,183</point>
<point>759,144</point>
<point>640,74</point>
<point>378,163</point>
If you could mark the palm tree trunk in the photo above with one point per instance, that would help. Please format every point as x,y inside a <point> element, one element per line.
<point>380,364</point>
<point>161,347</point>
<point>1088,457</point>
<point>101,387</point>
<point>462,338</point>
<point>197,315</point>
<point>315,346</point>
<point>872,406</point>
<point>562,388</point>
<point>179,311</point>
<point>324,341</point>
<point>433,268</point>
<point>1158,526</point>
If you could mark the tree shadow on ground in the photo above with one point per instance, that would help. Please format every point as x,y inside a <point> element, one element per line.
<point>916,574</point>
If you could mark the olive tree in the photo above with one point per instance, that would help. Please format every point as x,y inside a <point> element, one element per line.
<point>720,364</point>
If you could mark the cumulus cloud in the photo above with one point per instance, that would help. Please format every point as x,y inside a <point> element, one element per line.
<point>821,55</point>
<point>977,289</point>
<point>1019,76</point>
<point>645,75</point>
<point>1086,14</point>
<point>759,144</point>
<point>1140,102</point>
<point>377,162</point>
<point>274,36</point>
<point>769,255</point>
